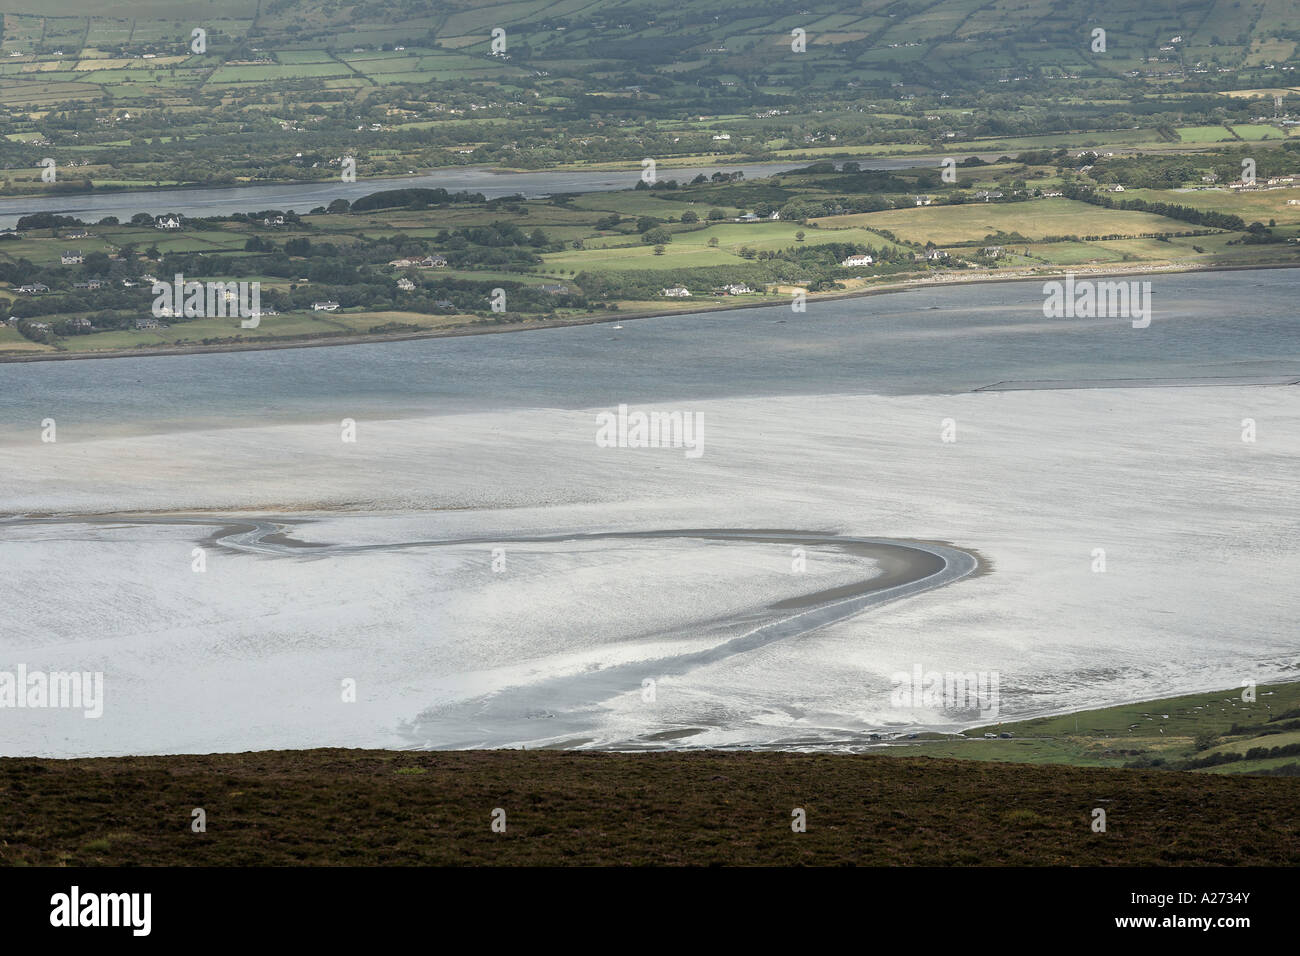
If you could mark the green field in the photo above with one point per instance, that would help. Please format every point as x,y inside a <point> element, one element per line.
<point>593,245</point>
<point>584,82</point>
<point>1206,134</point>
<point>1171,731</point>
<point>691,248</point>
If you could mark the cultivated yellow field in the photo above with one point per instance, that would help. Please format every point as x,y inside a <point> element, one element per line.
<point>1261,205</point>
<point>12,341</point>
<point>1034,220</point>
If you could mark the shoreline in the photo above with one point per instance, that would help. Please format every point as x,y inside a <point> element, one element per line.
<point>922,152</point>
<point>607,318</point>
<point>630,166</point>
<point>902,743</point>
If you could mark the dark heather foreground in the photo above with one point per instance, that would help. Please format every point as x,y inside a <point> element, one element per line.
<point>339,807</point>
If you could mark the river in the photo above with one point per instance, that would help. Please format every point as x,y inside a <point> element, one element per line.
<point>302,197</point>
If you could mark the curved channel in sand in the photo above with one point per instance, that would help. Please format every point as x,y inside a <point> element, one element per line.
<point>557,709</point>
<point>510,716</point>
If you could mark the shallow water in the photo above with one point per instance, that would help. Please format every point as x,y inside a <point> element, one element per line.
<point>926,341</point>
<point>828,421</point>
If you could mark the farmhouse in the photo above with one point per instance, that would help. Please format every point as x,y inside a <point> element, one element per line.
<point>324,306</point>
<point>72,258</point>
<point>433,262</point>
<point>922,200</point>
<point>149,322</point>
<point>676,292</point>
<point>169,223</point>
<point>405,284</point>
<point>860,260</point>
<point>556,289</point>
<point>36,288</point>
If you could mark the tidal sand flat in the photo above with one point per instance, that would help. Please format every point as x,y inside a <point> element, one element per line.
<point>1194,524</point>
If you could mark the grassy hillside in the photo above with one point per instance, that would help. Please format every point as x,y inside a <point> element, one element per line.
<point>330,807</point>
<point>1010,801</point>
<point>1208,733</point>
<point>960,40</point>
<point>282,88</point>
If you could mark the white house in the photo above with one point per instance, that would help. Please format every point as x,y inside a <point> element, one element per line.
<point>677,292</point>
<point>167,222</point>
<point>72,258</point>
<point>857,261</point>
<point>324,306</point>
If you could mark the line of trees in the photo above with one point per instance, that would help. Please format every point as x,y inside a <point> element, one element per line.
<point>1197,217</point>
